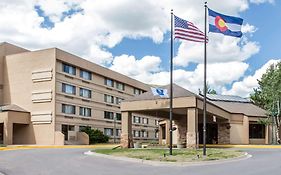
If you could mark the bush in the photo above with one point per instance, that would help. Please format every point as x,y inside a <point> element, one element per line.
<point>95,135</point>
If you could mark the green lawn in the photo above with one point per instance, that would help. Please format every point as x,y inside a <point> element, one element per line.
<point>179,155</point>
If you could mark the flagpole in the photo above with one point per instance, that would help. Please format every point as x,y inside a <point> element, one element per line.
<point>171,87</point>
<point>205,83</point>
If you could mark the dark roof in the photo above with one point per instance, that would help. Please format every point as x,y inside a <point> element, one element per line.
<point>178,92</point>
<point>11,107</point>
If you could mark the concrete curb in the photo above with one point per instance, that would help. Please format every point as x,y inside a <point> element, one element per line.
<point>22,147</point>
<point>157,163</point>
<point>245,146</point>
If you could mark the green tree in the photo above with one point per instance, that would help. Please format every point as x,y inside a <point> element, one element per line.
<point>268,94</point>
<point>209,90</point>
<point>95,135</point>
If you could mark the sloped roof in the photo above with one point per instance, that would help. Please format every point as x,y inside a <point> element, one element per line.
<point>11,107</point>
<point>177,92</point>
<point>236,104</point>
<point>248,109</point>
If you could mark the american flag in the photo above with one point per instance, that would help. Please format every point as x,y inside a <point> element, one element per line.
<point>188,31</point>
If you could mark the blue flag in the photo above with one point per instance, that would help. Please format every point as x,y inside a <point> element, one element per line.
<point>163,93</point>
<point>227,25</point>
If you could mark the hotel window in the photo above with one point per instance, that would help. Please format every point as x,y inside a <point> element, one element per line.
<point>118,116</point>
<point>256,131</point>
<point>86,112</point>
<point>69,69</point>
<point>120,86</point>
<point>118,100</point>
<point>156,135</point>
<point>156,122</point>
<point>68,109</point>
<point>108,82</point>
<point>136,133</point>
<point>69,89</point>
<point>71,128</point>
<point>108,115</point>
<point>118,132</point>
<point>85,93</point>
<point>108,98</point>
<point>108,131</point>
<point>85,74</point>
<point>136,119</point>
<point>82,128</point>
<point>137,91</point>
<point>145,120</point>
<point>144,134</point>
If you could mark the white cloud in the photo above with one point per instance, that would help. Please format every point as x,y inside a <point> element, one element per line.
<point>148,70</point>
<point>261,1</point>
<point>245,87</point>
<point>104,24</point>
<point>220,49</point>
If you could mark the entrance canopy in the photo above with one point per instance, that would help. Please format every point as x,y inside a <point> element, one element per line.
<point>11,117</point>
<point>187,113</point>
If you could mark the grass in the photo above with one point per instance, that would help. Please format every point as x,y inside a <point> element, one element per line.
<point>179,155</point>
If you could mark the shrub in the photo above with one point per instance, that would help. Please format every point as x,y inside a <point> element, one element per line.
<point>95,135</point>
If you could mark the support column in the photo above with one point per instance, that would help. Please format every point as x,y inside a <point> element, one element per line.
<point>126,134</point>
<point>181,131</point>
<point>223,133</point>
<point>192,128</point>
<point>8,133</point>
<point>246,139</point>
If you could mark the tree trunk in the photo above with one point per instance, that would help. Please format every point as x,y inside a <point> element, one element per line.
<point>277,131</point>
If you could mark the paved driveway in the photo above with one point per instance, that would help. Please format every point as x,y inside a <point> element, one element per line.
<point>73,162</point>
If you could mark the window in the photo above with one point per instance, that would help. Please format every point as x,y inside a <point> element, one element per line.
<point>86,112</point>
<point>137,91</point>
<point>71,128</point>
<point>108,98</point>
<point>118,100</point>
<point>136,119</point>
<point>120,86</point>
<point>108,131</point>
<point>144,134</point>
<point>69,89</point>
<point>108,115</point>
<point>156,135</point>
<point>85,74</point>
<point>85,93</point>
<point>68,109</point>
<point>69,69</point>
<point>82,128</point>
<point>109,82</point>
<point>145,120</point>
<point>118,132</point>
<point>136,133</point>
<point>256,131</point>
<point>118,116</point>
<point>156,122</point>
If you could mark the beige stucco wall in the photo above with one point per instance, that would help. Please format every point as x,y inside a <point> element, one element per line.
<point>27,74</point>
<point>17,128</point>
<point>6,49</point>
<point>239,129</point>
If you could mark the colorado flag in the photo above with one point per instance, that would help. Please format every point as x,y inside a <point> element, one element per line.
<point>227,25</point>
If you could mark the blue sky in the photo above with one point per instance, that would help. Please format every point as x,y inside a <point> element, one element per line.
<point>134,39</point>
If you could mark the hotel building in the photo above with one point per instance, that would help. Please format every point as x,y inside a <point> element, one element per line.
<point>48,96</point>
